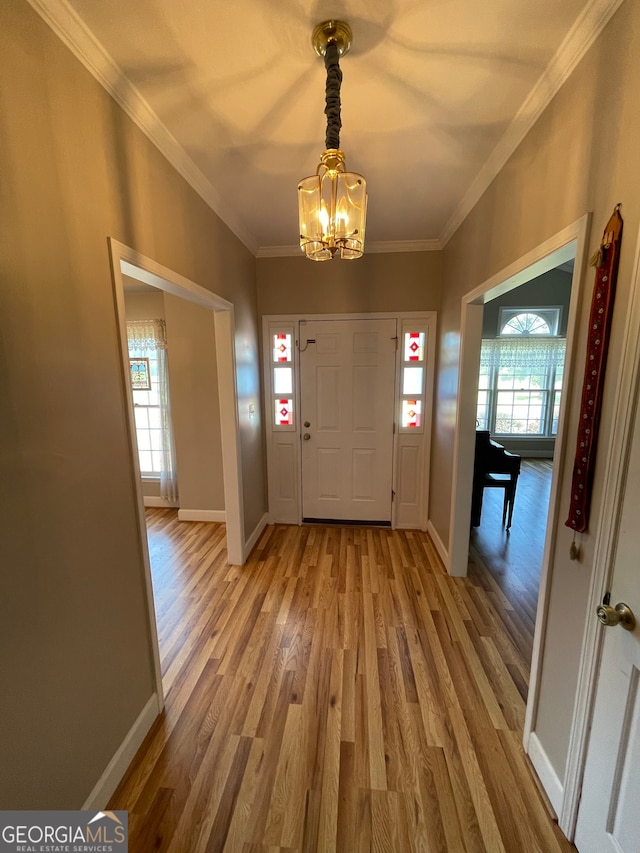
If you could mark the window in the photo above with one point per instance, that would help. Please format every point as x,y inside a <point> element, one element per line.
<point>412,380</point>
<point>520,379</point>
<point>146,408</point>
<point>282,377</point>
<point>147,344</point>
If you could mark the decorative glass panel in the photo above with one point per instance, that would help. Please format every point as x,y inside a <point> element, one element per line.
<point>140,374</point>
<point>282,347</point>
<point>411,411</point>
<point>284,412</point>
<point>526,323</point>
<point>412,380</point>
<point>414,346</point>
<point>283,380</point>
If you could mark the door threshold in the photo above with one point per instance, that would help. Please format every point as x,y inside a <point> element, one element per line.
<point>346,522</point>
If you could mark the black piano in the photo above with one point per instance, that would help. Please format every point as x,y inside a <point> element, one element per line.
<point>494,467</point>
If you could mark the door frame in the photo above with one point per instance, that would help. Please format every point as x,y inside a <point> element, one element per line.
<point>127,261</point>
<point>625,404</point>
<point>568,243</point>
<point>429,320</point>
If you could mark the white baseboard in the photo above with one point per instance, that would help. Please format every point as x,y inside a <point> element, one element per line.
<point>202,515</point>
<point>116,768</point>
<point>437,541</point>
<point>154,500</point>
<point>251,541</point>
<point>545,772</point>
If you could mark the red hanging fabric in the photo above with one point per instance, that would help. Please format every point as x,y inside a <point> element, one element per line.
<point>606,261</point>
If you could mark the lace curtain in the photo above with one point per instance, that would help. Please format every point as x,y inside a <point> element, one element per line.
<point>147,338</point>
<point>526,352</point>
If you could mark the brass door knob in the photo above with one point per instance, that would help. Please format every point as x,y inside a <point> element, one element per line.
<point>306,436</point>
<point>621,614</point>
<point>307,424</point>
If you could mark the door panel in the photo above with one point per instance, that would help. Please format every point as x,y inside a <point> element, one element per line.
<point>347,381</point>
<point>609,815</point>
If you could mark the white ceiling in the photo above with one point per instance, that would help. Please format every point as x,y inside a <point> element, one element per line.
<point>429,96</point>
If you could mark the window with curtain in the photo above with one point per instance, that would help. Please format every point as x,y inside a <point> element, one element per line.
<point>520,379</point>
<point>147,344</point>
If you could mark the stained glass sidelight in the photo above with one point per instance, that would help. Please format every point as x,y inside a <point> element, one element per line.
<point>414,346</point>
<point>284,412</point>
<point>412,381</point>
<point>282,380</point>
<point>411,412</point>
<point>282,347</point>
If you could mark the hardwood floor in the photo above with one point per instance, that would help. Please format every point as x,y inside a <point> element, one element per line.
<point>512,561</point>
<point>338,692</point>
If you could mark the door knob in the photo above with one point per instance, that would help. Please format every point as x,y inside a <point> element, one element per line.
<point>621,614</point>
<point>307,424</point>
<point>306,436</point>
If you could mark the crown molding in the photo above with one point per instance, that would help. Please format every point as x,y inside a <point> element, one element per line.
<point>586,29</point>
<point>74,33</point>
<point>389,246</point>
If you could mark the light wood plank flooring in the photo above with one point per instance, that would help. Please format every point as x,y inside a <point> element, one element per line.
<point>512,560</point>
<point>338,692</point>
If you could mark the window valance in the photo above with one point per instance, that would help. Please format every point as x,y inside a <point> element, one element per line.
<point>146,334</point>
<point>522,352</point>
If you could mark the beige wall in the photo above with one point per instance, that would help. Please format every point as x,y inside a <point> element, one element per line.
<point>582,155</point>
<point>386,282</point>
<point>75,653</point>
<point>195,410</point>
<point>553,288</point>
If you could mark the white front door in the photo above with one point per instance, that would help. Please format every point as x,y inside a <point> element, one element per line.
<point>609,815</point>
<point>347,379</point>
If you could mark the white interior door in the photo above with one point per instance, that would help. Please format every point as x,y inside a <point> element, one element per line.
<point>609,815</point>
<point>347,379</point>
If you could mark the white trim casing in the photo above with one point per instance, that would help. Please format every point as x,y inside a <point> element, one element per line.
<point>546,774</point>
<point>412,450</point>
<point>250,544</point>
<point>283,446</point>
<point>117,767</point>
<point>571,241</point>
<point>558,249</point>
<point>126,261</point>
<point>282,442</point>
<point>216,515</point>
<point>439,544</point>
<point>606,536</point>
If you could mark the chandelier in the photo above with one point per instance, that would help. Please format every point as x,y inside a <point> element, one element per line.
<point>332,204</point>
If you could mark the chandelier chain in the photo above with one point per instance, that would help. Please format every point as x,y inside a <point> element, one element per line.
<point>332,95</point>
